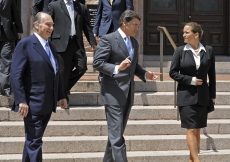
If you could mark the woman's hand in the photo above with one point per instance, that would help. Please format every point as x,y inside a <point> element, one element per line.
<point>199,81</point>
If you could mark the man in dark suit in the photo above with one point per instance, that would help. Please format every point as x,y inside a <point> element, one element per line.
<point>11,29</point>
<point>117,58</point>
<point>42,5</point>
<point>108,14</point>
<point>36,84</point>
<point>107,18</point>
<point>71,18</point>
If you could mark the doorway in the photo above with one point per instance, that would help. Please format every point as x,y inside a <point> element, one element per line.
<point>211,14</point>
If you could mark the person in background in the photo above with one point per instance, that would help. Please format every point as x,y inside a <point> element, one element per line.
<point>11,30</point>
<point>107,18</point>
<point>36,84</point>
<point>71,20</point>
<point>190,66</point>
<point>42,5</point>
<point>117,58</point>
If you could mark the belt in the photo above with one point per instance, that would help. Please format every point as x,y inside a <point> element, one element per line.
<point>72,37</point>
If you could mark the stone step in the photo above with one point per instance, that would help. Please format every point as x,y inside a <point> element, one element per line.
<point>158,86</point>
<point>140,98</point>
<point>97,113</point>
<point>218,58</point>
<point>166,70</point>
<point>219,65</point>
<point>99,128</point>
<point>133,156</point>
<point>83,144</point>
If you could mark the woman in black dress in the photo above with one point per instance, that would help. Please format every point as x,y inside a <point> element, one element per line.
<point>190,66</point>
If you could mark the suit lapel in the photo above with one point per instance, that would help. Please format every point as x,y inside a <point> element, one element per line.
<point>38,47</point>
<point>191,55</point>
<point>63,6</point>
<point>202,53</point>
<point>121,43</point>
<point>134,47</point>
<point>75,5</point>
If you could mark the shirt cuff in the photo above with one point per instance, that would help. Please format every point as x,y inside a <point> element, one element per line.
<point>115,71</point>
<point>145,76</point>
<point>193,82</point>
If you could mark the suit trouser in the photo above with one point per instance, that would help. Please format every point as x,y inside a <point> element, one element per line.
<point>80,67</point>
<point>35,126</point>
<point>117,118</point>
<point>69,59</point>
<point>7,49</point>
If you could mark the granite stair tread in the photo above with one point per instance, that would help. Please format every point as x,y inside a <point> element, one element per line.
<point>133,156</point>
<point>77,144</point>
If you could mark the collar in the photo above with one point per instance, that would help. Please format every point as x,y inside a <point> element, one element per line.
<point>122,33</point>
<point>41,40</point>
<point>67,1</point>
<point>187,47</point>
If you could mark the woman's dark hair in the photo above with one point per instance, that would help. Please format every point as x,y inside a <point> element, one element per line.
<point>196,28</point>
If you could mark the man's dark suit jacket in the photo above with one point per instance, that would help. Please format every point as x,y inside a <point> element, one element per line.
<point>42,5</point>
<point>33,79</point>
<point>62,26</point>
<point>183,68</point>
<point>111,51</point>
<point>9,14</point>
<point>107,14</point>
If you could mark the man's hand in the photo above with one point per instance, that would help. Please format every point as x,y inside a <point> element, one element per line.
<point>62,103</point>
<point>23,109</point>
<point>19,35</point>
<point>199,81</point>
<point>213,100</point>
<point>124,64</point>
<point>152,75</point>
<point>94,47</point>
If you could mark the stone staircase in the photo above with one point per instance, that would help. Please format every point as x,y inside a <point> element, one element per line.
<point>153,63</point>
<point>153,134</point>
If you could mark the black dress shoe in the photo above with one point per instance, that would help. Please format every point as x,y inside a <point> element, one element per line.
<point>7,93</point>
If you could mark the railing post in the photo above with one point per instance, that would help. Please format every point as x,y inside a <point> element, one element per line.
<point>161,55</point>
<point>175,99</point>
<point>163,29</point>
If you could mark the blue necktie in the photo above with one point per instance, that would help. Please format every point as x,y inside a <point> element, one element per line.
<point>51,57</point>
<point>129,47</point>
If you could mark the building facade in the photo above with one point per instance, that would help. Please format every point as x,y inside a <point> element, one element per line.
<point>213,15</point>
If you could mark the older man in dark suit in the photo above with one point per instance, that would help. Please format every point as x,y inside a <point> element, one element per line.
<point>36,84</point>
<point>71,19</point>
<point>11,29</point>
<point>117,58</point>
<point>42,5</point>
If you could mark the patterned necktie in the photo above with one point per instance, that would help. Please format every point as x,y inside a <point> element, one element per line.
<point>71,14</point>
<point>51,57</point>
<point>129,47</point>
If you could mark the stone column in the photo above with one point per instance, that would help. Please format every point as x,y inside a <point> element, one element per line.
<point>139,9</point>
<point>26,8</point>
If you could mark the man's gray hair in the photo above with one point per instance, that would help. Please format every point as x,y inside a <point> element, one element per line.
<point>127,16</point>
<point>37,19</point>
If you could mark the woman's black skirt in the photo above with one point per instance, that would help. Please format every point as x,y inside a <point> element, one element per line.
<point>194,116</point>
